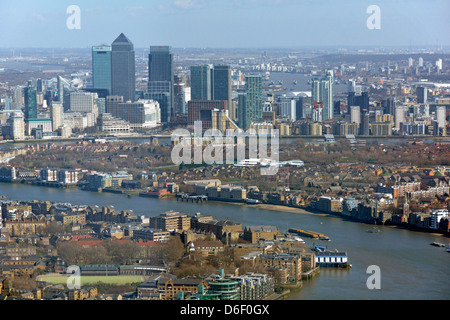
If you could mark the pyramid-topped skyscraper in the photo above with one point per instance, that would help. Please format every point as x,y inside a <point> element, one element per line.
<point>123,69</point>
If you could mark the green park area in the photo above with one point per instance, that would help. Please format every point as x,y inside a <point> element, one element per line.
<point>92,280</point>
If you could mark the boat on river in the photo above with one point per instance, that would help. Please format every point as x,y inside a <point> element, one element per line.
<point>437,244</point>
<point>309,234</point>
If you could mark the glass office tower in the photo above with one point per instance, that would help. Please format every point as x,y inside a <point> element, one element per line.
<point>101,67</point>
<point>161,80</point>
<point>201,82</point>
<point>221,84</point>
<point>30,94</point>
<point>123,74</point>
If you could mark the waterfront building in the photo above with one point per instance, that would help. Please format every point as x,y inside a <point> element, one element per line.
<point>255,233</point>
<point>108,123</point>
<point>123,74</point>
<point>322,94</point>
<point>346,128</point>
<point>50,175</point>
<point>43,125</point>
<point>107,180</point>
<point>7,173</point>
<point>224,289</point>
<point>17,126</point>
<point>291,263</point>
<point>332,259</point>
<point>68,176</point>
<point>381,129</point>
<point>142,114</point>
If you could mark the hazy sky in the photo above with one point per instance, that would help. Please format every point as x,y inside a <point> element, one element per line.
<point>225,23</point>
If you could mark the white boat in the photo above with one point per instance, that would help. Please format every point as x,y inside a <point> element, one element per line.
<point>298,239</point>
<point>248,163</point>
<point>252,201</point>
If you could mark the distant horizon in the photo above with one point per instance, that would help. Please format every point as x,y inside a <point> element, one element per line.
<point>337,47</point>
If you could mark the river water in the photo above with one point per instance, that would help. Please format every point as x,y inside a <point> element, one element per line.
<point>410,268</point>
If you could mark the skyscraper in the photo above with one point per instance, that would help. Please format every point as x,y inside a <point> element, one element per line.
<point>161,80</point>
<point>421,93</point>
<point>322,93</point>
<point>123,74</point>
<point>221,84</point>
<point>30,94</point>
<point>179,94</point>
<point>101,67</point>
<point>251,102</point>
<point>399,116</point>
<point>201,82</point>
<point>160,63</point>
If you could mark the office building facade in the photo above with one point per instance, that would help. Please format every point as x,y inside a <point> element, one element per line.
<point>161,80</point>
<point>101,67</point>
<point>123,74</point>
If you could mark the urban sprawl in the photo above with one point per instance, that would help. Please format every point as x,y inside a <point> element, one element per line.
<point>363,138</point>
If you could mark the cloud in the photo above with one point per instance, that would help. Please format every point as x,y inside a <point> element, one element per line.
<point>38,16</point>
<point>188,4</point>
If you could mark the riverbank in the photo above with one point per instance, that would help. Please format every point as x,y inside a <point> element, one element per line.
<point>260,206</point>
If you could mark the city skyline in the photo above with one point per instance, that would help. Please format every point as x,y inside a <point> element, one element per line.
<point>226,24</point>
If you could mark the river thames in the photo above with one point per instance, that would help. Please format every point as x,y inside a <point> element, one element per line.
<point>410,268</point>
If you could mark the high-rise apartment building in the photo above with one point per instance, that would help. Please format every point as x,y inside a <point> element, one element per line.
<point>123,74</point>
<point>250,108</point>
<point>31,108</point>
<point>322,94</point>
<point>57,115</point>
